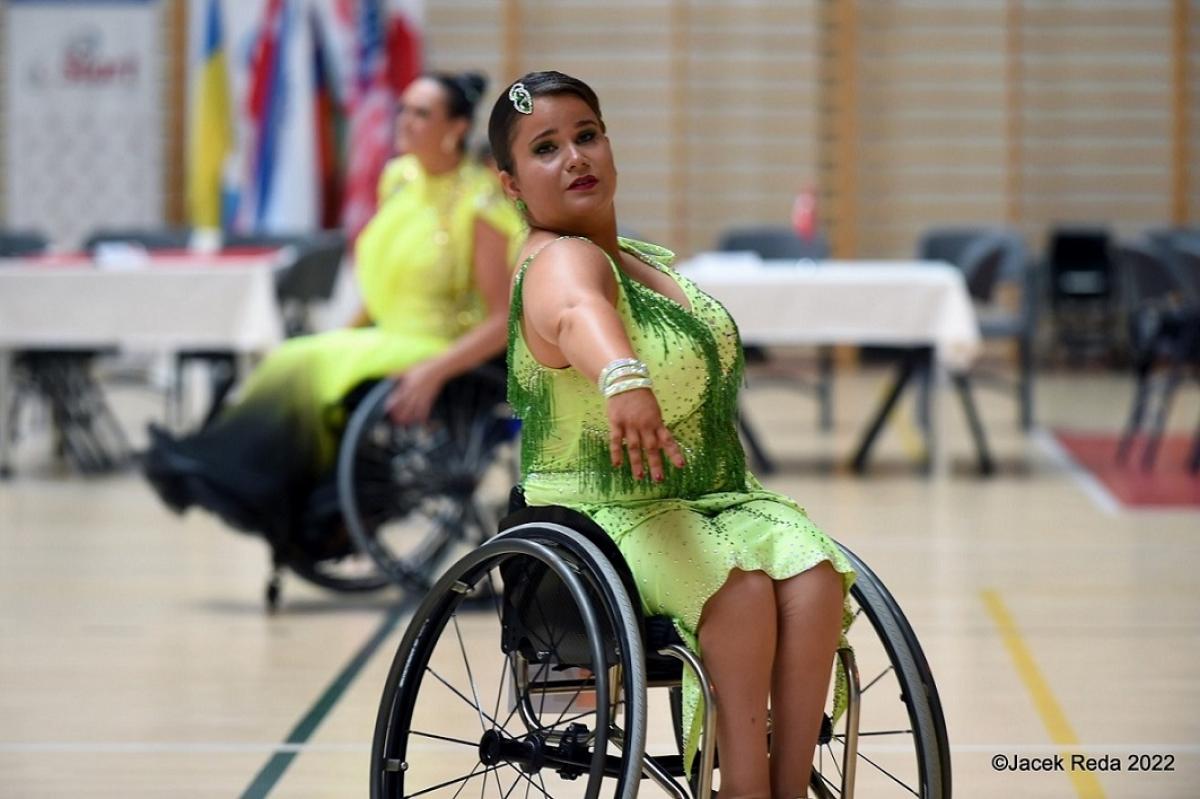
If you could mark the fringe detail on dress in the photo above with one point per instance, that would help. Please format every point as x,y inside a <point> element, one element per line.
<point>533,403</point>
<point>724,461</point>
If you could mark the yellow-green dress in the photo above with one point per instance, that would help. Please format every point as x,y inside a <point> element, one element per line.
<point>683,536</point>
<point>256,464</point>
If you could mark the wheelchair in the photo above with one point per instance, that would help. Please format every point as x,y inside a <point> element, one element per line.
<point>558,704</point>
<point>403,499</point>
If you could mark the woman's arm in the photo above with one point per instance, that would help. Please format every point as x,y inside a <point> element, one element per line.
<point>420,385</point>
<point>569,295</point>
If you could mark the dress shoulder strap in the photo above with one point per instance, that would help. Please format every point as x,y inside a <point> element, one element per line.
<point>529,258</point>
<point>520,278</point>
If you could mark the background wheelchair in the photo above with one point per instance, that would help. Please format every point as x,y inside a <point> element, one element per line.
<point>557,705</point>
<point>403,499</point>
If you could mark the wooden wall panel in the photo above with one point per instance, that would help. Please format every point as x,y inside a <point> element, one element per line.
<point>905,114</point>
<point>1079,142</point>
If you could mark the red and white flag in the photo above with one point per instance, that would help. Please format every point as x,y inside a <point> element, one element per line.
<point>386,58</point>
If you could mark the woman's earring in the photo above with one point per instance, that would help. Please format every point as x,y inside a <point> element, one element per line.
<point>522,208</point>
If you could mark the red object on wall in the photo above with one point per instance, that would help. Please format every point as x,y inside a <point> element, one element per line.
<point>804,213</point>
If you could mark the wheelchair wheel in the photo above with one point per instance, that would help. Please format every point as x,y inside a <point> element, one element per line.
<point>902,746</point>
<point>529,717</point>
<point>408,493</point>
<point>320,551</point>
<point>350,574</point>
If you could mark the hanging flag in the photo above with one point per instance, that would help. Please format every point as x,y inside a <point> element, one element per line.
<point>404,51</point>
<point>372,109</point>
<point>329,127</point>
<point>212,127</point>
<point>265,107</point>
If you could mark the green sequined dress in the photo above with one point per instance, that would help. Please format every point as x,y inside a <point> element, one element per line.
<point>683,536</point>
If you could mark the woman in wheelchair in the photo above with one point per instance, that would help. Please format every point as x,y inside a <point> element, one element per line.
<point>625,376</point>
<point>432,266</point>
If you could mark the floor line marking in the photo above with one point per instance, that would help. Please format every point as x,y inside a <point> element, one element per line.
<point>1084,480</point>
<point>1055,720</point>
<point>268,776</point>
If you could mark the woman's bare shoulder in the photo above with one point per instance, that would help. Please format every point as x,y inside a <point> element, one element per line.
<point>552,260</point>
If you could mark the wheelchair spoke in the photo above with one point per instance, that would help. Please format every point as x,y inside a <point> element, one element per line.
<point>567,707</point>
<point>464,785</point>
<point>888,774</point>
<point>511,788</point>
<point>483,788</point>
<point>553,648</point>
<point>460,695</point>
<point>519,699</point>
<point>470,676</point>
<point>833,757</point>
<point>837,791</point>
<point>500,687</point>
<point>878,677</point>
<point>862,734</point>
<point>472,744</point>
<point>573,718</point>
<point>447,783</point>
<point>530,783</point>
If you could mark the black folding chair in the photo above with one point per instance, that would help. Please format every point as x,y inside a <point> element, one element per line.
<point>1163,319</point>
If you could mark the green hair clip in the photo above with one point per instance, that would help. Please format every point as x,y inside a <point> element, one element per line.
<point>522,100</point>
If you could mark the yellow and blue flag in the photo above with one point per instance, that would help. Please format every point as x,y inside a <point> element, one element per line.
<point>211,129</point>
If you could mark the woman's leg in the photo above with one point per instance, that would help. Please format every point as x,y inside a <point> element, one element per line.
<point>737,639</point>
<point>810,622</point>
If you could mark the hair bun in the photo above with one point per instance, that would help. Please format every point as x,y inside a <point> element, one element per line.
<point>473,85</point>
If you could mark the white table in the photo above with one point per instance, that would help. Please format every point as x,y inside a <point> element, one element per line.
<point>920,307</point>
<point>164,303</point>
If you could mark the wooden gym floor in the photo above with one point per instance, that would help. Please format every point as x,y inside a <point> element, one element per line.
<point>136,659</point>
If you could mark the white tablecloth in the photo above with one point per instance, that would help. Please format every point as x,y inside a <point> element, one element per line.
<point>904,303</point>
<point>168,303</point>
<point>163,303</point>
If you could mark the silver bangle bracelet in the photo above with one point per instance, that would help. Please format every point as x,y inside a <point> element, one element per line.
<point>627,385</point>
<point>606,372</point>
<point>624,373</point>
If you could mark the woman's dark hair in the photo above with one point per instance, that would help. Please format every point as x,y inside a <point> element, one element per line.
<point>463,91</point>
<point>503,121</point>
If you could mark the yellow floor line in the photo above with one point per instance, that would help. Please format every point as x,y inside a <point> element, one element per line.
<point>1086,784</point>
<point>911,438</point>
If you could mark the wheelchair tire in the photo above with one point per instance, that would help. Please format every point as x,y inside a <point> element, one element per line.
<point>513,753</point>
<point>914,679</point>
<point>407,492</point>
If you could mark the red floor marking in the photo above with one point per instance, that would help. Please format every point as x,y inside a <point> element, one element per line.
<point>1167,484</point>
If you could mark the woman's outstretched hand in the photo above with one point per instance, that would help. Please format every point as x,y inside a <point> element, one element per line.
<point>416,390</point>
<point>635,423</point>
